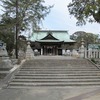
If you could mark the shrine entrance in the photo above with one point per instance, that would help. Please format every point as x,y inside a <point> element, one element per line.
<point>50,50</point>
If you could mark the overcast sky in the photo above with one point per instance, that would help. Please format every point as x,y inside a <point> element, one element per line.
<point>59,19</point>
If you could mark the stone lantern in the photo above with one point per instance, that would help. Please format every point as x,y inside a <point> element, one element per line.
<point>82,49</point>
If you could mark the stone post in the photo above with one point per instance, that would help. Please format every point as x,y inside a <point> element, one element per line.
<point>96,53</point>
<point>63,51</point>
<point>29,52</point>
<point>41,51</point>
<point>90,53</point>
<point>82,49</point>
<point>5,61</point>
<point>85,53</point>
<point>3,52</point>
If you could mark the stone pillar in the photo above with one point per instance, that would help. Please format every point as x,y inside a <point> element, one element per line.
<point>90,53</point>
<point>29,52</point>
<point>82,49</point>
<point>41,51</point>
<point>63,51</point>
<point>99,53</point>
<point>85,53</point>
<point>96,53</point>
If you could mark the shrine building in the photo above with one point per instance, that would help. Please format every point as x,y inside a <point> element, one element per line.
<point>51,42</point>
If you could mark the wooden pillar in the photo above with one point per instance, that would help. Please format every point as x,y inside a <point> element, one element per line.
<point>44,51</point>
<point>56,50</point>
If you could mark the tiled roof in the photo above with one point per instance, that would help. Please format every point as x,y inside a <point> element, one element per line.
<point>60,35</point>
<point>49,41</point>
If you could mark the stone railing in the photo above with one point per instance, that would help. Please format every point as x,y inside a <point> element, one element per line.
<point>92,53</point>
<point>84,53</point>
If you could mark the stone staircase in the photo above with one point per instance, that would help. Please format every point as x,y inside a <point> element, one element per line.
<point>56,73</point>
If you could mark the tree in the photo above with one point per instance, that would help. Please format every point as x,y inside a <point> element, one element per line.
<point>22,43</point>
<point>7,32</point>
<point>77,34</point>
<point>29,11</point>
<point>89,38</point>
<point>24,13</point>
<point>85,10</point>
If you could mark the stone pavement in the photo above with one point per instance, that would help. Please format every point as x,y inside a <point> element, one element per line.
<point>54,57</point>
<point>86,93</point>
<point>51,93</point>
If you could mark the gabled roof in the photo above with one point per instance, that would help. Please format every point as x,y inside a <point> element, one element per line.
<point>49,37</point>
<point>55,34</point>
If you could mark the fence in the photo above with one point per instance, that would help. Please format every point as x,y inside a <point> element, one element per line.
<point>84,53</point>
<point>92,53</point>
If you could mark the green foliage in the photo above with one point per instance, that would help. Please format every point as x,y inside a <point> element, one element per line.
<point>85,10</point>
<point>22,44</point>
<point>7,32</point>
<point>29,12</point>
<point>88,38</point>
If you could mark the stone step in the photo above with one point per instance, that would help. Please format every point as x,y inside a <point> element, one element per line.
<point>51,65</point>
<point>57,62</point>
<point>56,80</point>
<point>57,77</point>
<point>34,84</point>
<point>68,74</point>
<point>59,67</point>
<point>60,70</point>
<point>3,72</point>
<point>66,60</point>
<point>55,67</point>
<point>51,86</point>
<point>56,73</point>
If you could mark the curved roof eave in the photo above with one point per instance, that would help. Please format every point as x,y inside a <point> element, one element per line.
<point>60,35</point>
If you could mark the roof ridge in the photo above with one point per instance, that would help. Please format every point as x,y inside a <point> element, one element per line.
<point>50,31</point>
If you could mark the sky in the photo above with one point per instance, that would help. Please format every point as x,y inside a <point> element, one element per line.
<point>60,19</point>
